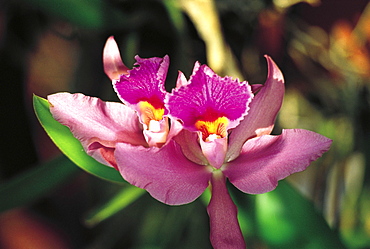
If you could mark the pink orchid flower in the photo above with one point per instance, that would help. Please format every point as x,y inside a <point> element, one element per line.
<point>220,129</point>
<point>140,121</point>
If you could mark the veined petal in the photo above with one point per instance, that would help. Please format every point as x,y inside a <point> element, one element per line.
<point>113,65</point>
<point>208,97</point>
<point>225,229</point>
<point>262,113</point>
<point>97,124</point>
<point>164,172</point>
<point>267,159</point>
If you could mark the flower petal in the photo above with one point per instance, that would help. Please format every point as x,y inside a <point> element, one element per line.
<point>97,124</point>
<point>181,80</point>
<point>113,65</point>
<point>225,229</point>
<point>165,173</point>
<point>267,159</point>
<point>208,97</point>
<point>153,138</point>
<point>144,83</point>
<point>262,113</point>
<point>190,146</point>
<point>157,136</point>
<point>214,151</point>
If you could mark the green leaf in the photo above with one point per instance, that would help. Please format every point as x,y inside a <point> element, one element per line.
<point>288,220</point>
<point>69,145</point>
<point>36,182</point>
<point>121,200</point>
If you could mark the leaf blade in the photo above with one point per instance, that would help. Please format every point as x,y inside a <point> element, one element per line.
<point>121,200</point>
<point>286,219</point>
<point>35,183</point>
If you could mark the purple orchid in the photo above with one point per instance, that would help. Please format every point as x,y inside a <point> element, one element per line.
<point>142,119</point>
<point>226,135</point>
<point>219,129</point>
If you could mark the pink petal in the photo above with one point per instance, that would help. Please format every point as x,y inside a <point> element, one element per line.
<point>225,229</point>
<point>113,65</point>
<point>190,146</point>
<point>262,113</point>
<point>165,173</point>
<point>214,151</point>
<point>158,137</point>
<point>152,138</point>
<point>181,80</point>
<point>98,125</point>
<point>267,159</point>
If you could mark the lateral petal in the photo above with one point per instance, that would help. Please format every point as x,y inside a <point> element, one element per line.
<point>262,113</point>
<point>164,172</point>
<point>97,124</point>
<point>267,159</point>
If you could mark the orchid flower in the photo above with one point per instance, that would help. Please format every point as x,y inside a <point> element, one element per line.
<point>141,119</point>
<point>207,130</point>
<point>226,135</point>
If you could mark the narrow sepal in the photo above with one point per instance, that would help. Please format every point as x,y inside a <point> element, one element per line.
<point>113,65</point>
<point>262,113</point>
<point>225,230</point>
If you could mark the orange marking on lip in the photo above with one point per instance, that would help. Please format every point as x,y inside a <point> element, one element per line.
<point>148,112</point>
<point>217,127</point>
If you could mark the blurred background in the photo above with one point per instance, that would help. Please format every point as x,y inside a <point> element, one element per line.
<point>323,50</point>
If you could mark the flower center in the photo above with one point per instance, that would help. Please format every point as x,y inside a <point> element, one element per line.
<point>150,115</point>
<point>154,126</point>
<point>212,130</point>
